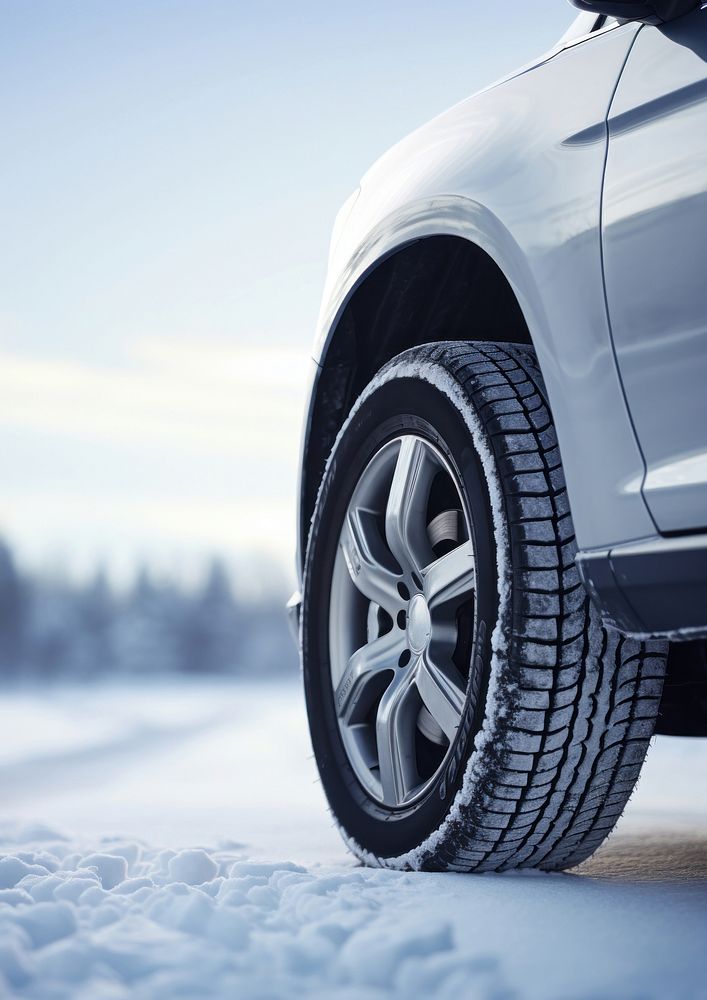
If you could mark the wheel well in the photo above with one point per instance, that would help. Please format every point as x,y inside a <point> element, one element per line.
<point>437,288</point>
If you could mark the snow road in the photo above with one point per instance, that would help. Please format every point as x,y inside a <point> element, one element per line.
<point>171,840</point>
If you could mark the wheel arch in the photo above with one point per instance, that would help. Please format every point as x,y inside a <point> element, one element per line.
<point>435,288</point>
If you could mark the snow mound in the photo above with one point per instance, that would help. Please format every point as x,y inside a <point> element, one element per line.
<point>121,919</point>
<point>128,920</point>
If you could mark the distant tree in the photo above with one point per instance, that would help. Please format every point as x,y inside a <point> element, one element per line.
<point>13,614</point>
<point>95,639</point>
<point>266,645</point>
<point>210,631</point>
<point>145,631</point>
<point>52,630</point>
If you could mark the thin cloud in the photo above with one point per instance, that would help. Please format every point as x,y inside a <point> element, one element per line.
<point>235,400</point>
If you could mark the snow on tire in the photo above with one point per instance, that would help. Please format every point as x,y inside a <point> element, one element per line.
<point>488,721</point>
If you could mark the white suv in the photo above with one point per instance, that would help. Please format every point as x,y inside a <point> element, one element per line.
<point>503,509</point>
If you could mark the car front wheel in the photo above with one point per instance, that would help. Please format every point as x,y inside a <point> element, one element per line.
<point>467,708</point>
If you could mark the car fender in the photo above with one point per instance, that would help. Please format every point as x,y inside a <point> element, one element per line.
<point>518,171</point>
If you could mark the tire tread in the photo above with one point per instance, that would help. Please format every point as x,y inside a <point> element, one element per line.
<point>587,698</point>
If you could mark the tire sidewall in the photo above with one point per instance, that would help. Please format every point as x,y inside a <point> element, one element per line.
<point>399,405</point>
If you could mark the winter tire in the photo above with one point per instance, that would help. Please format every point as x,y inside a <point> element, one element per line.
<point>467,708</point>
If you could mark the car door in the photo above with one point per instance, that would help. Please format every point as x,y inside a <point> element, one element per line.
<point>654,227</point>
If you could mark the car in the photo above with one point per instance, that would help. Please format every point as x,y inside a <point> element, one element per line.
<point>503,494</point>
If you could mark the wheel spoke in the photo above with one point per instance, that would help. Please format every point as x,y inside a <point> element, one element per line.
<point>405,515</point>
<point>451,577</point>
<point>443,693</point>
<point>395,739</point>
<point>364,551</point>
<point>363,673</point>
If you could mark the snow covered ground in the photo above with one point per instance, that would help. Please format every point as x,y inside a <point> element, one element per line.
<point>172,841</point>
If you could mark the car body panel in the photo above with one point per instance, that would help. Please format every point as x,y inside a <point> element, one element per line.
<point>518,170</point>
<point>654,218</point>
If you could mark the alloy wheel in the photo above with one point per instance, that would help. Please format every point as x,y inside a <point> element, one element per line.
<point>401,621</point>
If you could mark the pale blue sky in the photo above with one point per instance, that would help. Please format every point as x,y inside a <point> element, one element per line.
<point>171,171</point>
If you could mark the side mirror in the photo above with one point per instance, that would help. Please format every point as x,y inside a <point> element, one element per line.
<point>649,11</point>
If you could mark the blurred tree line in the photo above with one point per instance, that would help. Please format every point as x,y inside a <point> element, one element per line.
<point>54,629</point>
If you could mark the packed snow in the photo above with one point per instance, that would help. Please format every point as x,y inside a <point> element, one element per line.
<point>172,841</point>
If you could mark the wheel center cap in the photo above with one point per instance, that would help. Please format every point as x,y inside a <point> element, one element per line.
<point>419,626</point>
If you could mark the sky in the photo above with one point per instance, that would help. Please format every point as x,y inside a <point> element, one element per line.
<point>171,171</point>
